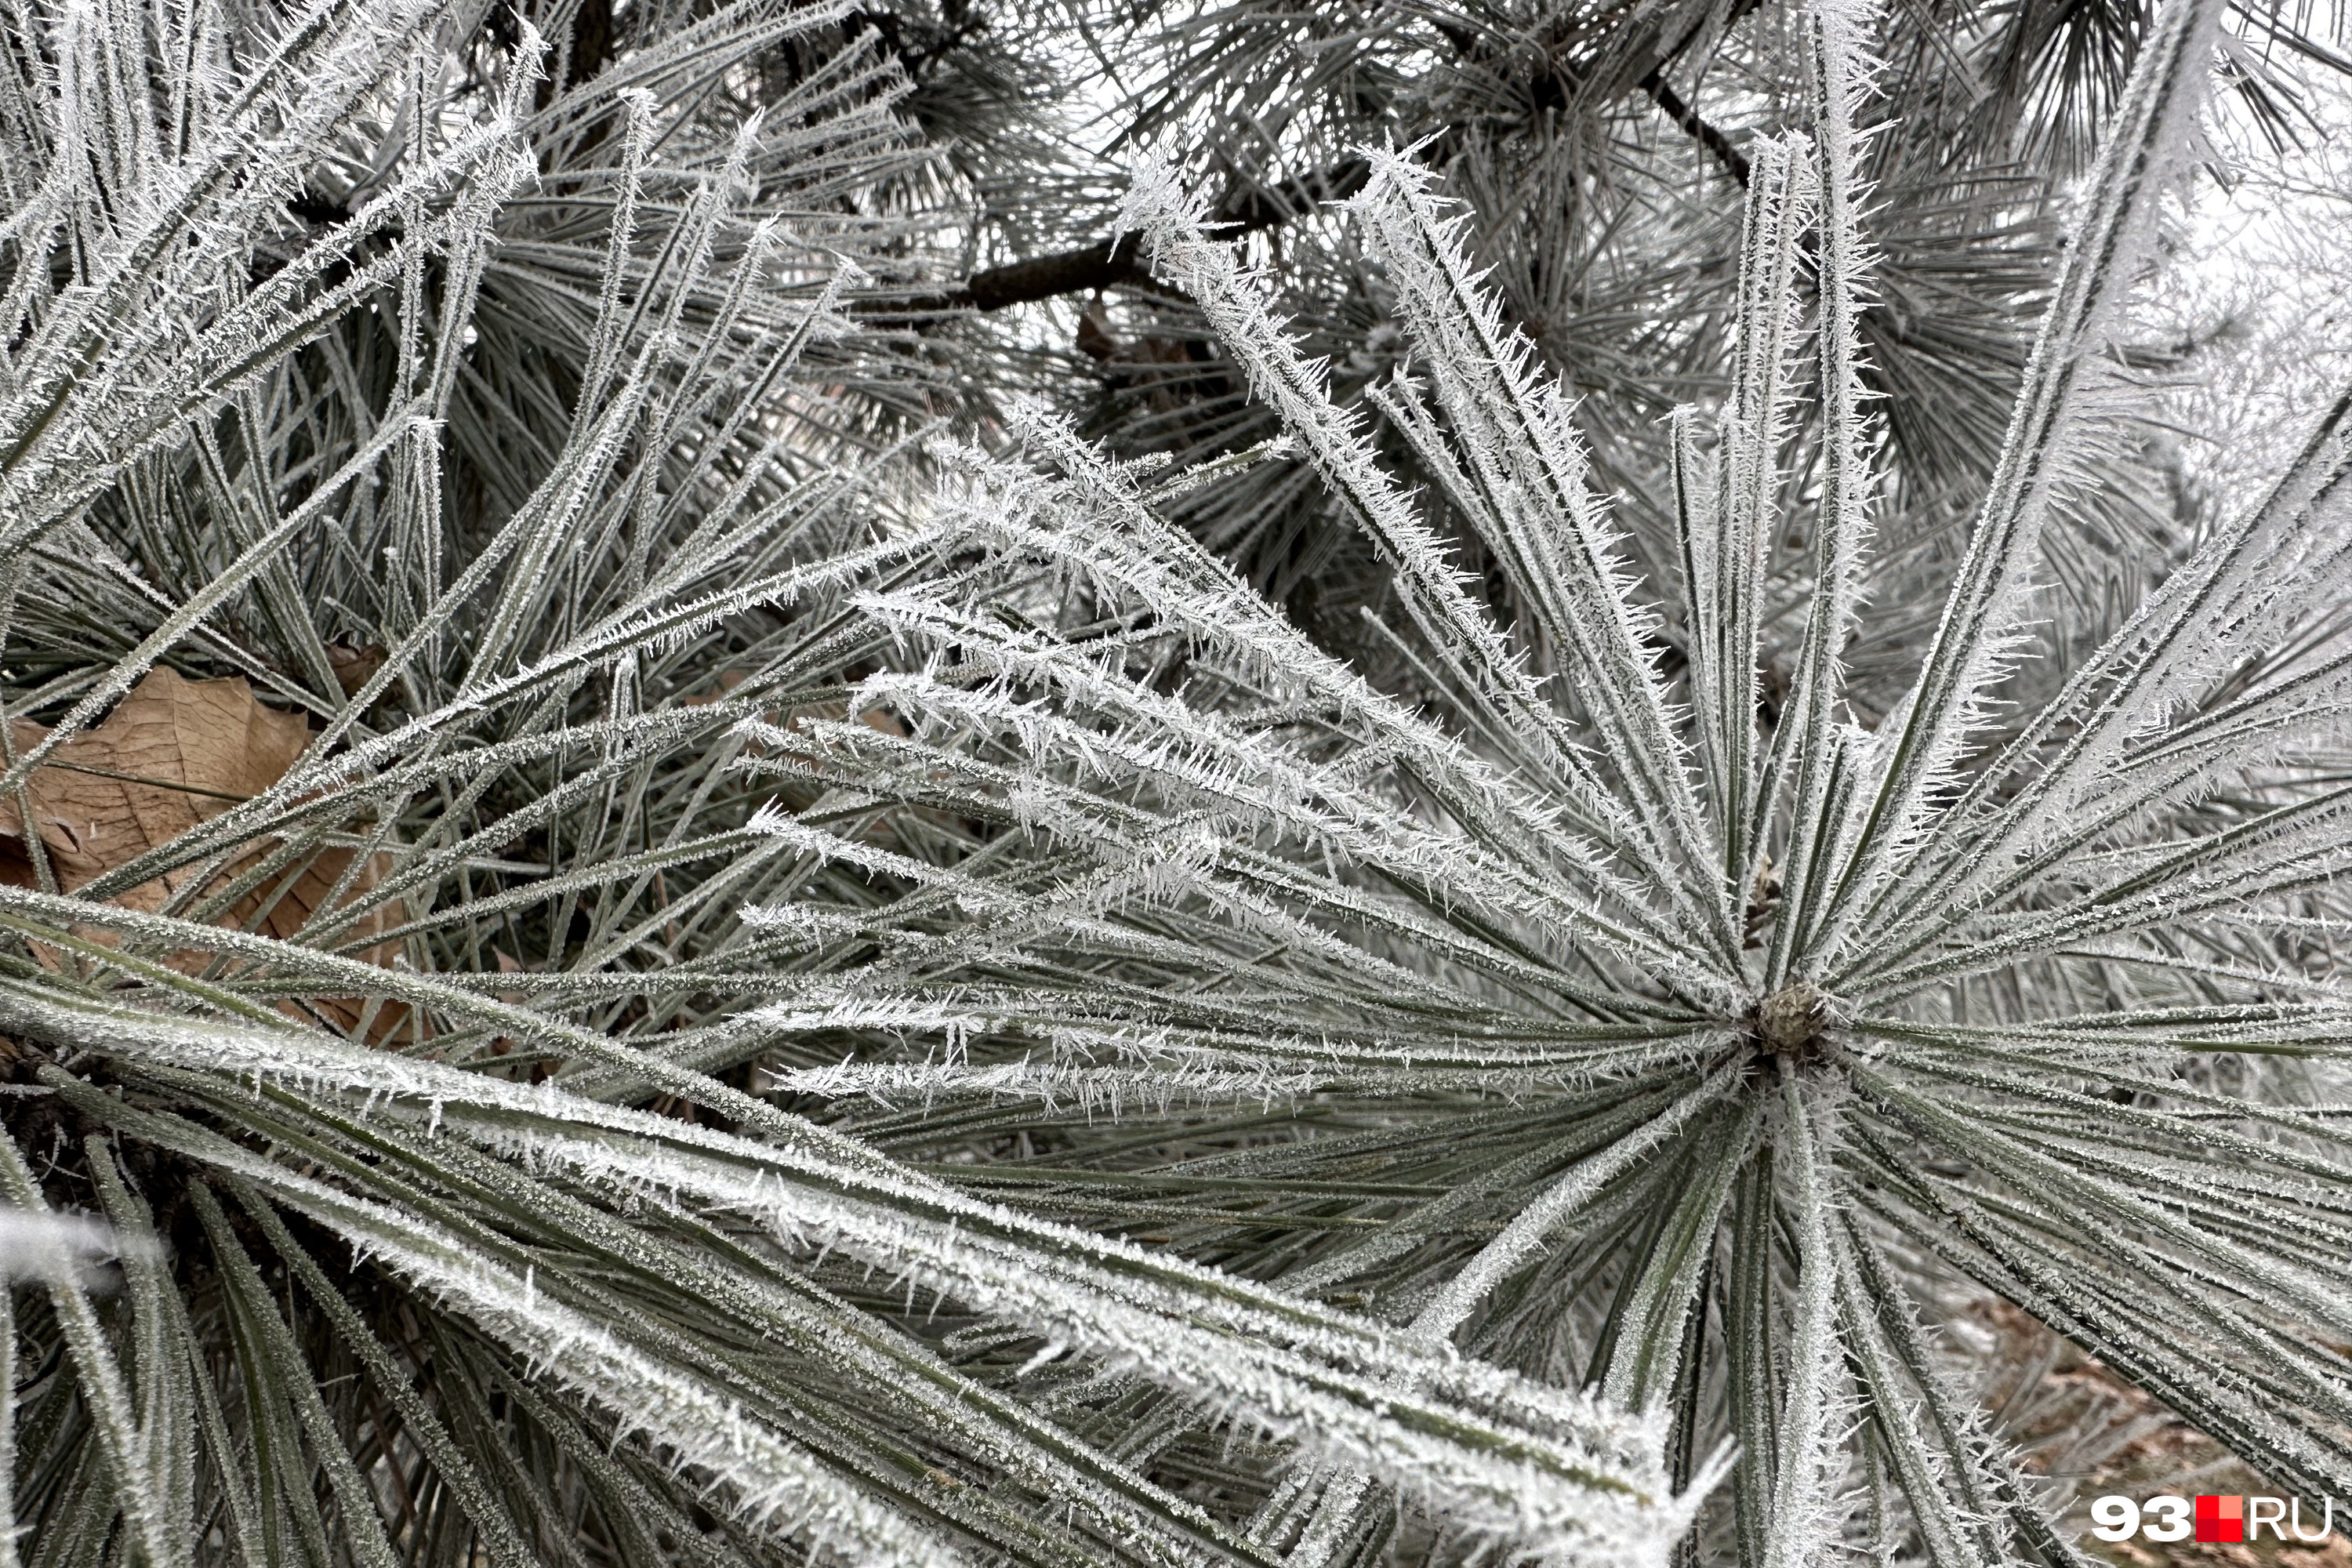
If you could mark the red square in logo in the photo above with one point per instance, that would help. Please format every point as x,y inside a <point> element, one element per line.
<point>2220,1518</point>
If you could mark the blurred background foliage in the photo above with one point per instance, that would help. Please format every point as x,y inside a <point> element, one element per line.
<point>1598,152</point>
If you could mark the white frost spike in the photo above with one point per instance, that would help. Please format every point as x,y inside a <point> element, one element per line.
<point>1808,744</point>
<point>1805,1520</point>
<point>1334,440</point>
<point>1726,527</point>
<point>1983,619</point>
<point>1552,1468</point>
<point>775,1481</point>
<point>1533,503</point>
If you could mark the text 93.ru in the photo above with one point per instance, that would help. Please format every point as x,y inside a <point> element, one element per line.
<point>2229,1517</point>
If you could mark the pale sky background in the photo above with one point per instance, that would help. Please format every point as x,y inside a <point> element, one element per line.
<point>2263,278</point>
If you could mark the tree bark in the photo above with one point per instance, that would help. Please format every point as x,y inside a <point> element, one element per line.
<point>1111,263</point>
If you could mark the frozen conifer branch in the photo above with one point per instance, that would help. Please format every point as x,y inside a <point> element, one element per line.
<point>1707,1011</point>
<point>764,983</point>
<point>453,429</point>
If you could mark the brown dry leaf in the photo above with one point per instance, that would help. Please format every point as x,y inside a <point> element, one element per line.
<point>172,754</point>
<point>355,667</point>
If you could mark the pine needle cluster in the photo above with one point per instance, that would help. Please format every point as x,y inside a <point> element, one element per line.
<point>811,983</point>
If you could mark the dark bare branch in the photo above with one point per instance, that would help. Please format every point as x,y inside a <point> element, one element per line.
<point>1110,264</point>
<point>1684,114</point>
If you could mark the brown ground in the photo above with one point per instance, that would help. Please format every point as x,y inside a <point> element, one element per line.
<point>2078,1421</point>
